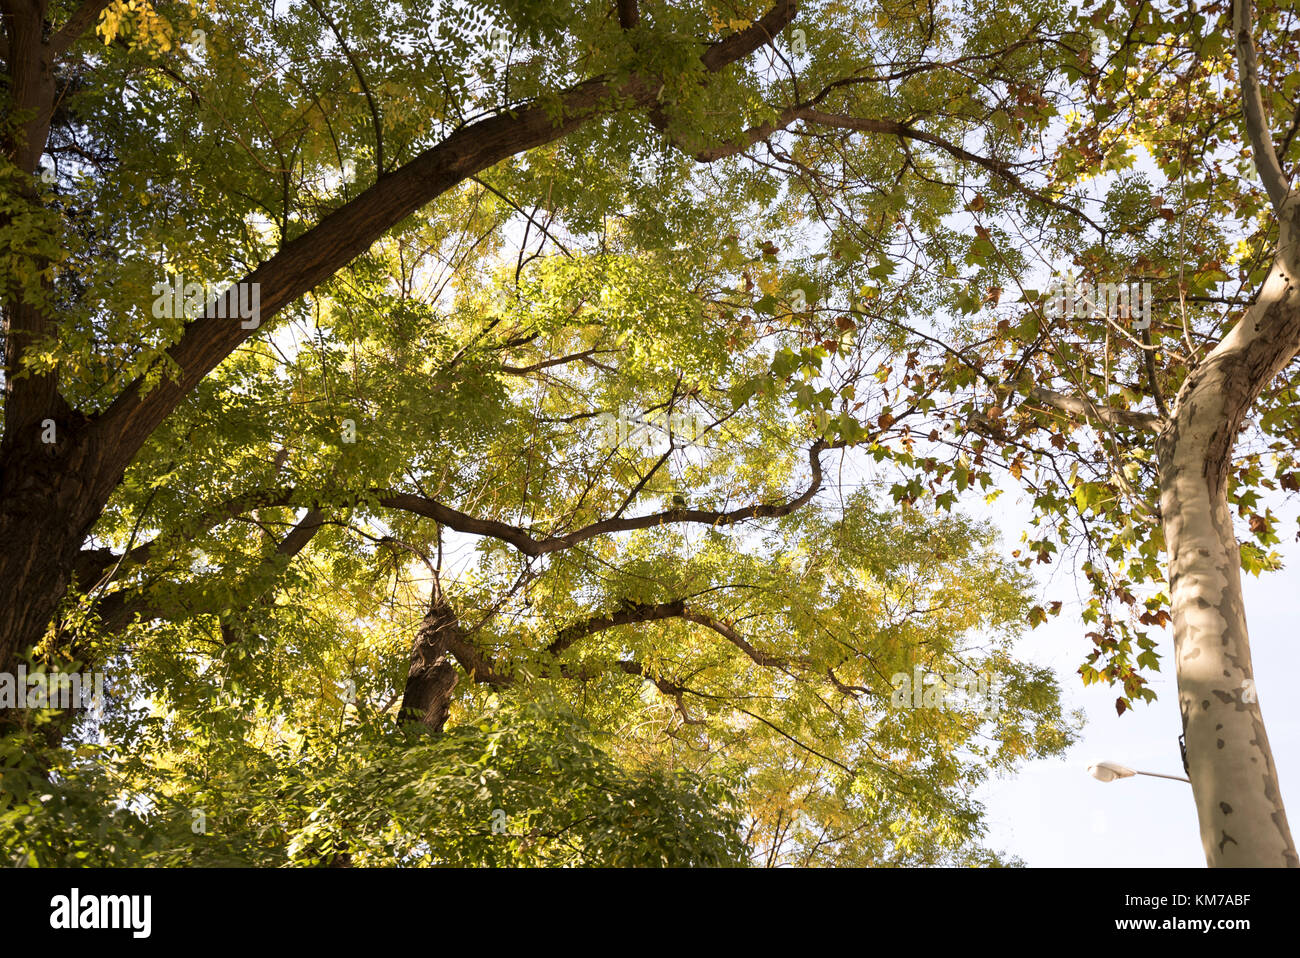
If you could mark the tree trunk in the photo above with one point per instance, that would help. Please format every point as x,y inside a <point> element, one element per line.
<point>431,680</point>
<point>47,508</point>
<point>1234,780</point>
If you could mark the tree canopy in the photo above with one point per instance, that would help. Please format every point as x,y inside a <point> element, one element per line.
<point>537,433</point>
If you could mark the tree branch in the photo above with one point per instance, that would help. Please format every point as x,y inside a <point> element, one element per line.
<point>93,562</point>
<point>633,613</point>
<point>1085,409</point>
<point>303,263</point>
<point>736,639</point>
<point>758,34</point>
<point>671,689</point>
<point>361,78</point>
<point>118,609</point>
<point>1149,360</point>
<point>523,541</point>
<point>479,666</point>
<point>82,19</point>
<point>301,534</point>
<point>808,113</point>
<point>547,363</point>
<point>1252,105</point>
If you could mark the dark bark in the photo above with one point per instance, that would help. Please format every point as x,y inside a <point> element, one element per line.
<point>431,678</point>
<point>50,496</point>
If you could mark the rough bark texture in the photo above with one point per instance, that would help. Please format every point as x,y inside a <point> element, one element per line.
<point>431,680</point>
<point>50,496</point>
<point>1234,780</point>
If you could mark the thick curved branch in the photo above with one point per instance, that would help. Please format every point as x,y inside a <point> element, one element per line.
<point>301,534</point>
<point>629,615</point>
<point>735,638</point>
<point>92,563</point>
<point>1252,106</point>
<point>482,669</point>
<point>744,42</point>
<point>651,612</point>
<point>757,34</point>
<point>303,263</point>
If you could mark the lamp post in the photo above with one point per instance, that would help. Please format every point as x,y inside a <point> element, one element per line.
<point>1110,771</point>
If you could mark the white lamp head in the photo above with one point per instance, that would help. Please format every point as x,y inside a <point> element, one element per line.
<point>1109,771</point>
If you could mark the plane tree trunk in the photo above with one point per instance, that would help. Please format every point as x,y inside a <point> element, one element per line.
<point>1234,779</point>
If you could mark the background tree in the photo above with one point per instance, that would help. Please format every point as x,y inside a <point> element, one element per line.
<point>1141,425</point>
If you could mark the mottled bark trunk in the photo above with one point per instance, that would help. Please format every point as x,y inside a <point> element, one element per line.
<point>1234,779</point>
<point>431,679</point>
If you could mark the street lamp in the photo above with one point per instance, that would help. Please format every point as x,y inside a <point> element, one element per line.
<point>1109,771</point>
